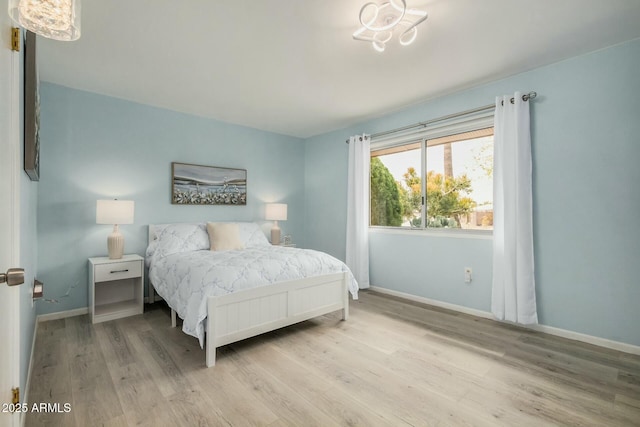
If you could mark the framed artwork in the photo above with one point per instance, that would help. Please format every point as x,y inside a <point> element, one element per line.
<point>31,109</point>
<point>207,185</point>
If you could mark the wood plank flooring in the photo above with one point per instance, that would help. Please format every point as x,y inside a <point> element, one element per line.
<point>393,363</point>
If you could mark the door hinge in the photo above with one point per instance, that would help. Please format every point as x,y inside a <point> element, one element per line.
<point>15,39</point>
<point>16,395</point>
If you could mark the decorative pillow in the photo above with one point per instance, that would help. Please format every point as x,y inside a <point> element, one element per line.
<point>252,235</point>
<point>175,238</point>
<point>224,236</point>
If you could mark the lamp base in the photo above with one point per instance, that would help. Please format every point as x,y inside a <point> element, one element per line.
<point>115,244</point>
<point>275,234</point>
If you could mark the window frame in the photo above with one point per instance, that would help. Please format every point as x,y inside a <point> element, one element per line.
<point>461,124</point>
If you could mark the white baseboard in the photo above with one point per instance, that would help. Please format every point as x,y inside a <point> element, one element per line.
<point>577,336</point>
<point>436,303</point>
<point>62,314</point>
<point>589,339</point>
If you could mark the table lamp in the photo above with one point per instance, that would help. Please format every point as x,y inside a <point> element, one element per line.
<point>114,212</point>
<point>275,212</point>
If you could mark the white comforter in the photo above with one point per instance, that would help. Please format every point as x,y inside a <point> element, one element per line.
<point>186,279</point>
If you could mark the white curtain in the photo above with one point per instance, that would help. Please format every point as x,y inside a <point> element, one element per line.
<point>358,209</point>
<point>513,292</point>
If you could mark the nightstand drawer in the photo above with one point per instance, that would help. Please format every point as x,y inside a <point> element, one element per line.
<point>117,271</point>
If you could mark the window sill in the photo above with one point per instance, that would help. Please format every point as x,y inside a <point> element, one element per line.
<point>449,233</point>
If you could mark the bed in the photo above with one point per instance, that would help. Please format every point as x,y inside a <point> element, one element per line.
<point>230,295</point>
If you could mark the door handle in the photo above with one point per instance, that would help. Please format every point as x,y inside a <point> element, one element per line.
<point>13,277</point>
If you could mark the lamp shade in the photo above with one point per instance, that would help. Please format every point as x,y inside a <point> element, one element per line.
<point>54,19</point>
<point>114,212</point>
<point>276,212</point>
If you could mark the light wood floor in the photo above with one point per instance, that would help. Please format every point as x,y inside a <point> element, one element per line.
<point>393,363</point>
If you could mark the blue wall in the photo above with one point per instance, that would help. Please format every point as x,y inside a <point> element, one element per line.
<point>585,127</point>
<point>96,147</point>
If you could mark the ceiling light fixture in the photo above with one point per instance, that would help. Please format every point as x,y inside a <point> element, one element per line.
<point>53,19</point>
<point>380,21</point>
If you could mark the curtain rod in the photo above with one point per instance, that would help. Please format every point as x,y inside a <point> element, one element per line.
<point>525,97</point>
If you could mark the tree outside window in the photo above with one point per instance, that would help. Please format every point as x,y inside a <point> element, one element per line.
<point>457,185</point>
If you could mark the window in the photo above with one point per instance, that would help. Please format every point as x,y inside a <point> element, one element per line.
<point>439,179</point>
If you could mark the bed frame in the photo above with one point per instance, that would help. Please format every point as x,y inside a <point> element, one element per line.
<point>244,314</point>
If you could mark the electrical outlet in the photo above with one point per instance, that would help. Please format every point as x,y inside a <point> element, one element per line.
<point>467,275</point>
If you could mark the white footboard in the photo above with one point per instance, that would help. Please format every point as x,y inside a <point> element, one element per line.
<point>245,314</point>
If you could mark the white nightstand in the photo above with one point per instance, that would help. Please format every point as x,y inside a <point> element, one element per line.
<point>115,287</point>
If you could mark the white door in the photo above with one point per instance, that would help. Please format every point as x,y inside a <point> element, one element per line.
<point>9,218</point>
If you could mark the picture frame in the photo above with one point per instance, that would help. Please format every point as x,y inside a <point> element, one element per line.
<point>31,109</point>
<point>207,185</point>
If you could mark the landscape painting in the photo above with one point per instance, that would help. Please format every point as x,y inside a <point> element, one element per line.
<point>31,109</point>
<point>208,185</point>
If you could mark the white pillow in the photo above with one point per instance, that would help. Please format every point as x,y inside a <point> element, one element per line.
<point>224,236</point>
<point>252,235</point>
<point>174,238</point>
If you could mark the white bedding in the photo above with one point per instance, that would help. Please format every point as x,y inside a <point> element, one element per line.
<point>186,278</point>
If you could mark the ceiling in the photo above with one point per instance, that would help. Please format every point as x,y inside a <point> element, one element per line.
<point>292,67</point>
